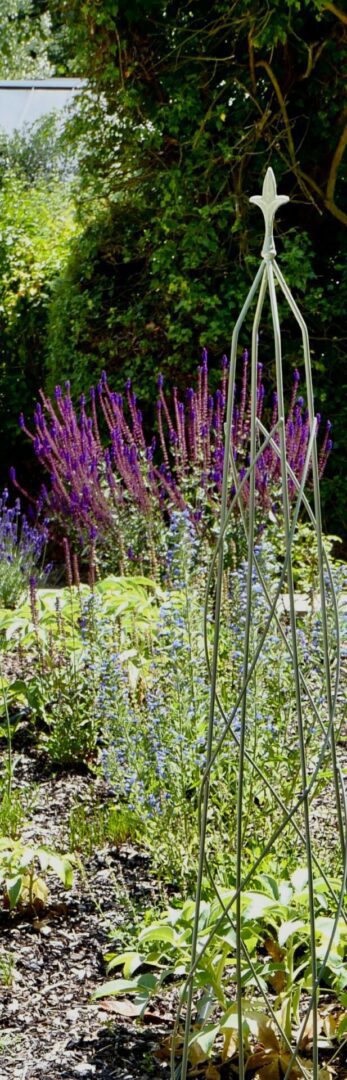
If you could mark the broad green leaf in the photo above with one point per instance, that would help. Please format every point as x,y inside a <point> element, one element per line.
<point>288,928</point>
<point>14,889</point>
<point>285,893</point>
<point>258,903</point>
<point>126,986</point>
<point>206,1040</point>
<point>229,1020</point>
<point>299,879</point>
<point>129,960</point>
<point>158,932</point>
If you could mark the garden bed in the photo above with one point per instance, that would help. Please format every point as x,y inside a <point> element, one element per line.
<point>49,1026</point>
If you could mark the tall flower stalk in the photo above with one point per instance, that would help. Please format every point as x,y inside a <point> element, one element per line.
<point>96,482</point>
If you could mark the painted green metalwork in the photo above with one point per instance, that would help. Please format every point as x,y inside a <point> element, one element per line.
<point>267,278</point>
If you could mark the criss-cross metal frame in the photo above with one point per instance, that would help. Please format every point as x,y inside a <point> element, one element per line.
<point>267,278</point>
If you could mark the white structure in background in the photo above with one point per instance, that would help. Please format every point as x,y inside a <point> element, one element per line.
<point>23,101</point>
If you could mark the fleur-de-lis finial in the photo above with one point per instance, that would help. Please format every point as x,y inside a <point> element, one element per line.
<point>269,202</point>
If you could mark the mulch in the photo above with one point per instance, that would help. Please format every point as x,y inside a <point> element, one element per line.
<point>49,1027</point>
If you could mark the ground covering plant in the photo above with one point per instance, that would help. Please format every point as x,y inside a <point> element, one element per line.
<point>21,881</point>
<point>275,933</point>
<point>66,632</point>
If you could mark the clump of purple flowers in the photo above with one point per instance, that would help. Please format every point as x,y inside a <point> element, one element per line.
<point>94,487</point>
<point>22,548</point>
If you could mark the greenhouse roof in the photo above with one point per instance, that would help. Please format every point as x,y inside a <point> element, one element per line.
<point>22,101</point>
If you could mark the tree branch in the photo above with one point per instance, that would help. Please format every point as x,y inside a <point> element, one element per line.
<point>336,11</point>
<point>337,158</point>
<point>264,64</point>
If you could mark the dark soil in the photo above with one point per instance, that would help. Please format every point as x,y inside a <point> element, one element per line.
<point>49,1028</point>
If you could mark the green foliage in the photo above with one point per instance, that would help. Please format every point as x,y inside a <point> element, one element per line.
<point>21,882</point>
<point>37,224</point>
<point>13,811</point>
<point>276,938</point>
<point>91,828</point>
<point>191,105</point>
<point>25,38</point>
<point>71,632</point>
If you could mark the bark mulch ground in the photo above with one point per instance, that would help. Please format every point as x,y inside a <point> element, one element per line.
<point>49,1028</point>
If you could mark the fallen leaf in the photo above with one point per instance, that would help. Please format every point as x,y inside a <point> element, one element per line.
<point>120,1008</point>
<point>330,1024</point>
<point>163,1052</point>
<point>272,1062</point>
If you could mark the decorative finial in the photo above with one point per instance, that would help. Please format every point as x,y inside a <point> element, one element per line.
<point>269,202</point>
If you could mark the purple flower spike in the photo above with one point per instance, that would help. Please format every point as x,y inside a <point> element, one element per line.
<point>142,473</point>
<point>21,420</point>
<point>296,376</point>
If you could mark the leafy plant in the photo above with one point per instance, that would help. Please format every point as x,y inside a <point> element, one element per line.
<point>22,550</point>
<point>71,632</point>
<point>163,264</point>
<point>276,934</point>
<point>21,873</point>
<point>91,828</point>
<point>13,810</point>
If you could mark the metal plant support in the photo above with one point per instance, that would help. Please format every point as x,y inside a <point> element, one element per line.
<point>267,278</point>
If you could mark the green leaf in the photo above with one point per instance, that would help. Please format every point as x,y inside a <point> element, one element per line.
<point>258,904</point>
<point>14,889</point>
<point>206,1040</point>
<point>126,986</point>
<point>299,879</point>
<point>129,960</point>
<point>288,928</point>
<point>158,932</point>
